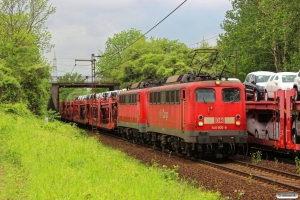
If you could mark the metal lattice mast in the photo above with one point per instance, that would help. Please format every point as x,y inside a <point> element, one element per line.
<point>93,96</point>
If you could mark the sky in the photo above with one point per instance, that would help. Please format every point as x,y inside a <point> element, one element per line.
<point>80,28</point>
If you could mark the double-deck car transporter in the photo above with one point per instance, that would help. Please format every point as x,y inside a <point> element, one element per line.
<point>285,123</point>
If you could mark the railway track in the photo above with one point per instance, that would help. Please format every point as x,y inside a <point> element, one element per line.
<point>283,181</point>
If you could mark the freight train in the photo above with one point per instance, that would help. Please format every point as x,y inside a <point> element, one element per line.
<point>196,115</point>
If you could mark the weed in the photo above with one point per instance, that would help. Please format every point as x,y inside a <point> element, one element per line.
<point>274,185</point>
<point>52,115</point>
<point>154,163</point>
<point>240,193</point>
<point>170,174</point>
<point>247,167</point>
<point>170,153</point>
<point>256,157</point>
<point>297,161</point>
<point>250,179</point>
<point>276,162</point>
<point>193,182</point>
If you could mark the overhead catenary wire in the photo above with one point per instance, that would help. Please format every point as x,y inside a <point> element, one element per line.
<point>203,40</point>
<point>115,67</point>
<point>151,28</point>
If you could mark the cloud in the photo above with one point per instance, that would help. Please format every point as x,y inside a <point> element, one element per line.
<point>80,28</point>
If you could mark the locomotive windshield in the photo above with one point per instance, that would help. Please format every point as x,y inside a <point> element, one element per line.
<point>206,95</point>
<point>231,95</point>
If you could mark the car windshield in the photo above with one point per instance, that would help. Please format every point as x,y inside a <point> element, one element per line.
<point>262,78</point>
<point>264,117</point>
<point>288,78</point>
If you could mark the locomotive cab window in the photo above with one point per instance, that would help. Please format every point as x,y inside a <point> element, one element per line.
<point>231,95</point>
<point>177,96</point>
<point>167,97</point>
<point>172,96</point>
<point>205,95</point>
<point>155,97</point>
<point>158,97</point>
<point>127,99</point>
<point>151,98</point>
<point>163,97</point>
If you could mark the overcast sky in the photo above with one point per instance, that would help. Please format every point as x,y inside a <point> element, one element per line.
<point>81,27</point>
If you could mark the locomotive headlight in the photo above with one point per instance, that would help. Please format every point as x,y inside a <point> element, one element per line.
<point>200,123</point>
<point>237,123</point>
<point>238,117</point>
<point>218,82</point>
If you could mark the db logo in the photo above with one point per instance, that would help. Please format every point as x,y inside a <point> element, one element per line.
<point>163,114</point>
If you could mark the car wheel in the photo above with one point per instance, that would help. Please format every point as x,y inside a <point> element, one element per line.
<point>256,134</point>
<point>294,138</point>
<point>255,98</point>
<point>267,136</point>
<point>266,96</point>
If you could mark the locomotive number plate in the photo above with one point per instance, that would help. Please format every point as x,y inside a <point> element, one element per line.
<point>219,120</point>
<point>218,127</point>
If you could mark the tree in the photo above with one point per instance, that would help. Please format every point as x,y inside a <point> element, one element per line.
<point>265,33</point>
<point>67,94</point>
<point>23,40</point>
<point>111,58</point>
<point>71,78</point>
<point>138,60</point>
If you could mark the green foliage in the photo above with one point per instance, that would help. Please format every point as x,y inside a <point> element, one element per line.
<point>297,161</point>
<point>256,157</point>
<point>67,94</point>
<point>36,88</point>
<point>17,109</point>
<point>170,174</point>
<point>54,160</point>
<point>72,78</point>
<point>52,115</point>
<point>143,60</point>
<point>276,162</point>
<point>264,35</point>
<point>239,193</point>
<point>24,75</point>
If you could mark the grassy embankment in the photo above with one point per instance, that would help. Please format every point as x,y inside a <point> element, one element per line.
<point>40,160</point>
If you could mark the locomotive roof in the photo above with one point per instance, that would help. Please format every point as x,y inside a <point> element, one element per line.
<point>207,83</point>
<point>176,81</point>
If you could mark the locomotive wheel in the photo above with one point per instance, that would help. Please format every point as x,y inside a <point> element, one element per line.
<point>189,152</point>
<point>142,139</point>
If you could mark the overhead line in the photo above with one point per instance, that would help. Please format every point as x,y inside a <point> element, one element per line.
<point>204,40</point>
<point>152,27</point>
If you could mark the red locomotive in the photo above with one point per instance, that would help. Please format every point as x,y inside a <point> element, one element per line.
<point>193,115</point>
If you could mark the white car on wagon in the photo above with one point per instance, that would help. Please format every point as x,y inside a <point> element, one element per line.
<point>256,123</point>
<point>279,81</point>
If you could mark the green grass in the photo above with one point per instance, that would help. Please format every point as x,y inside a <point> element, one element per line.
<point>40,160</point>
